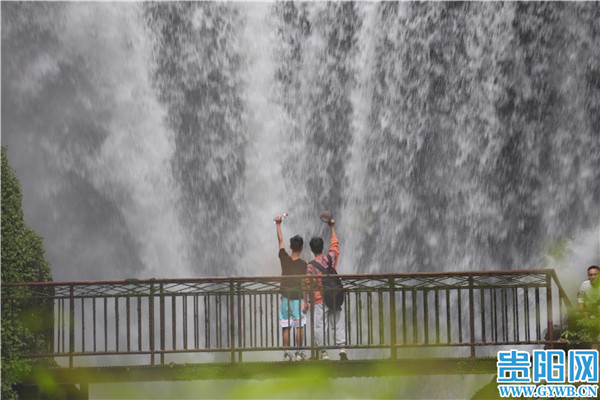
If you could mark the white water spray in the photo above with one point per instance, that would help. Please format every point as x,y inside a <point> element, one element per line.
<point>161,139</point>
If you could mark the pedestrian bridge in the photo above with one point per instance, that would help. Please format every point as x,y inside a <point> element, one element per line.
<point>213,328</point>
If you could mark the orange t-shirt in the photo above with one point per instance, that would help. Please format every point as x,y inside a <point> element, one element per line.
<point>334,252</point>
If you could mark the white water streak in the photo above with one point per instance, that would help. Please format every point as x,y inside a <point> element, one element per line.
<point>265,188</point>
<point>132,167</point>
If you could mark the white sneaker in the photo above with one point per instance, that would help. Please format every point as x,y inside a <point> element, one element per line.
<point>287,357</point>
<point>300,356</point>
<point>324,355</point>
<point>343,355</point>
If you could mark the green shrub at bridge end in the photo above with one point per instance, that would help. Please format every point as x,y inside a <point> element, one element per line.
<point>23,330</point>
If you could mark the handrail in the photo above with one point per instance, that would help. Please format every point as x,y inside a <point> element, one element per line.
<point>279,277</point>
<point>561,291</point>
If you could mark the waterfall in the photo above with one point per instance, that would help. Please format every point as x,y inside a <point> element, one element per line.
<point>89,137</point>
<point>160,139</point>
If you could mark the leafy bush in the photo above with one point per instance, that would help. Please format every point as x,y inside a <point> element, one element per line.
<point>23,328</point>
<point>582,332</point>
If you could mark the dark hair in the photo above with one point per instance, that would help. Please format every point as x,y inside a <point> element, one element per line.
<point>316,245</point>
<point>593,267</point>
<point>296,243</point>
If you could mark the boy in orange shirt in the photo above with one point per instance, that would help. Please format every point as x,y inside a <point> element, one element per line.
<point>324,316</point>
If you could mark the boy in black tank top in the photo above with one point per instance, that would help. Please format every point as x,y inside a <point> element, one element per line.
<point>294,302</point>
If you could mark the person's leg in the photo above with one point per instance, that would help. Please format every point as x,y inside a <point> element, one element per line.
<point>299,322</point>
<point>299,337</point>
<point>300,356</point>
<point>320,323</point>
<point>285,334</point>
<point>284,321</point>
<point>339,332</point>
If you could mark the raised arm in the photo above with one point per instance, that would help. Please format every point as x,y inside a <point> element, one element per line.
<point>333,242</point>
<point>279,234</point>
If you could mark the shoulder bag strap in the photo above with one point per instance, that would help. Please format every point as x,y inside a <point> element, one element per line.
<point>319,267</point>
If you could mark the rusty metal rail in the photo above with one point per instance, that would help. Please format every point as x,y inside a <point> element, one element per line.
<point>153,322</point>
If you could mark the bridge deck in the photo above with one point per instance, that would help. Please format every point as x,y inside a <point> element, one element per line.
<point>271,370</point>
<point>153,328</point>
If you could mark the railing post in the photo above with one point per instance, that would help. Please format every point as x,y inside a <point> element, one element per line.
<point>426,316</point>
<point>472,314</point>
<point>162,324</point>
<point>414,314</point>
<point>50,341</point>
<point>231,319</point>
<point>311,297</point>
<point>151,321</point>
<point>71,323</point>
<point>549,309</point>
<point>393,338</point>
<point>239,320</point>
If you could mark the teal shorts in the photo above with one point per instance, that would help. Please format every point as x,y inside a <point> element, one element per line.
<point>290,313</point>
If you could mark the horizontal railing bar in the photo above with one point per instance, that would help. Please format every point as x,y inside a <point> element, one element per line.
<point>279,278</point>
<point>225,290</point>
<point>277,291</point>
<point>280,348</point>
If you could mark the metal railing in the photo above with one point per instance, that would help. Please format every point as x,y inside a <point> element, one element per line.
<point>228,317</point>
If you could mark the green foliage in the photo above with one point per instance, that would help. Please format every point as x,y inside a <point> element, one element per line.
<point>22,261</point>
<point>22,249</point>
<point>582,331</point>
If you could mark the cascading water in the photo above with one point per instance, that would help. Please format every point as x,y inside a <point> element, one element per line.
<point>160,139</point>
<point>89,139</point>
